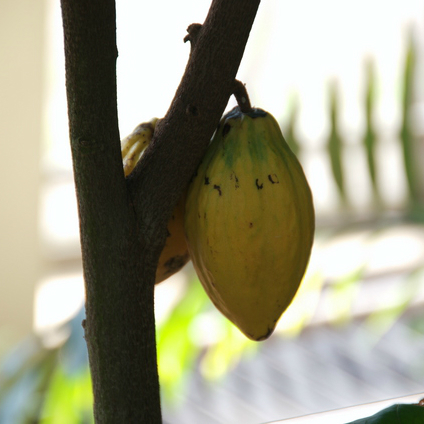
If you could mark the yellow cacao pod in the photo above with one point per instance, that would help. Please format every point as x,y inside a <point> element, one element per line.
<point>175,253</point>
<point>249,221</point>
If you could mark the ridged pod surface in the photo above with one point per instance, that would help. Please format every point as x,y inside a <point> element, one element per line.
<point>249,222</point>
<point>175,252</point>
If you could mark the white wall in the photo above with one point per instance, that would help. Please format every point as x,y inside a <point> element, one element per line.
<point>21,75</point>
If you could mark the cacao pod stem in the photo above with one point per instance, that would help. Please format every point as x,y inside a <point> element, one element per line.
<point>240,93</point>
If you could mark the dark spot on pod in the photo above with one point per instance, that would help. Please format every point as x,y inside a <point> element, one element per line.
<point>226,129</point>
<point>259,186</point>
<point>206,181</point>
<point>233,176</point>
<point>250,224</point>
<point>273,178</point>
<point>217,187</point>
<point>175,263</point>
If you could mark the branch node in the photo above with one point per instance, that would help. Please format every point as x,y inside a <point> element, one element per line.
<point>87,145</point>
<point>240,93</point>
<point>84,326</point>
<point>193,34</point>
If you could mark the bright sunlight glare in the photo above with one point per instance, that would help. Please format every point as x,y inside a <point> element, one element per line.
<point>56,301</point>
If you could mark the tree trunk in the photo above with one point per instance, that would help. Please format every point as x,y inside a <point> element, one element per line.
<point>123,221</point>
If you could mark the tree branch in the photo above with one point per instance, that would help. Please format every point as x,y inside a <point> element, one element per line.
<point>123,222</point>
<point>119,326</point>
<point>182,136</point>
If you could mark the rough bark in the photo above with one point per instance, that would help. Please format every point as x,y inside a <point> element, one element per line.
<point>123,222</point>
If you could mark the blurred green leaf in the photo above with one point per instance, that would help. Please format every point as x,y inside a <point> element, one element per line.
<point>370,137</point>
<point>406,134</point>
<point>176,350</point>
<point>343,294</point>
<point>50,383</point>
<point>226,353</point>
<point>195,330</point>
<point>335,142</point>
<point>395,414</point>
<point>24,376</point>
<point>69,398</point>
<point>383,318</point>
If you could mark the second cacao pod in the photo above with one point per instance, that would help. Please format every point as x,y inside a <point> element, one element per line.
<point>175,252</point>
